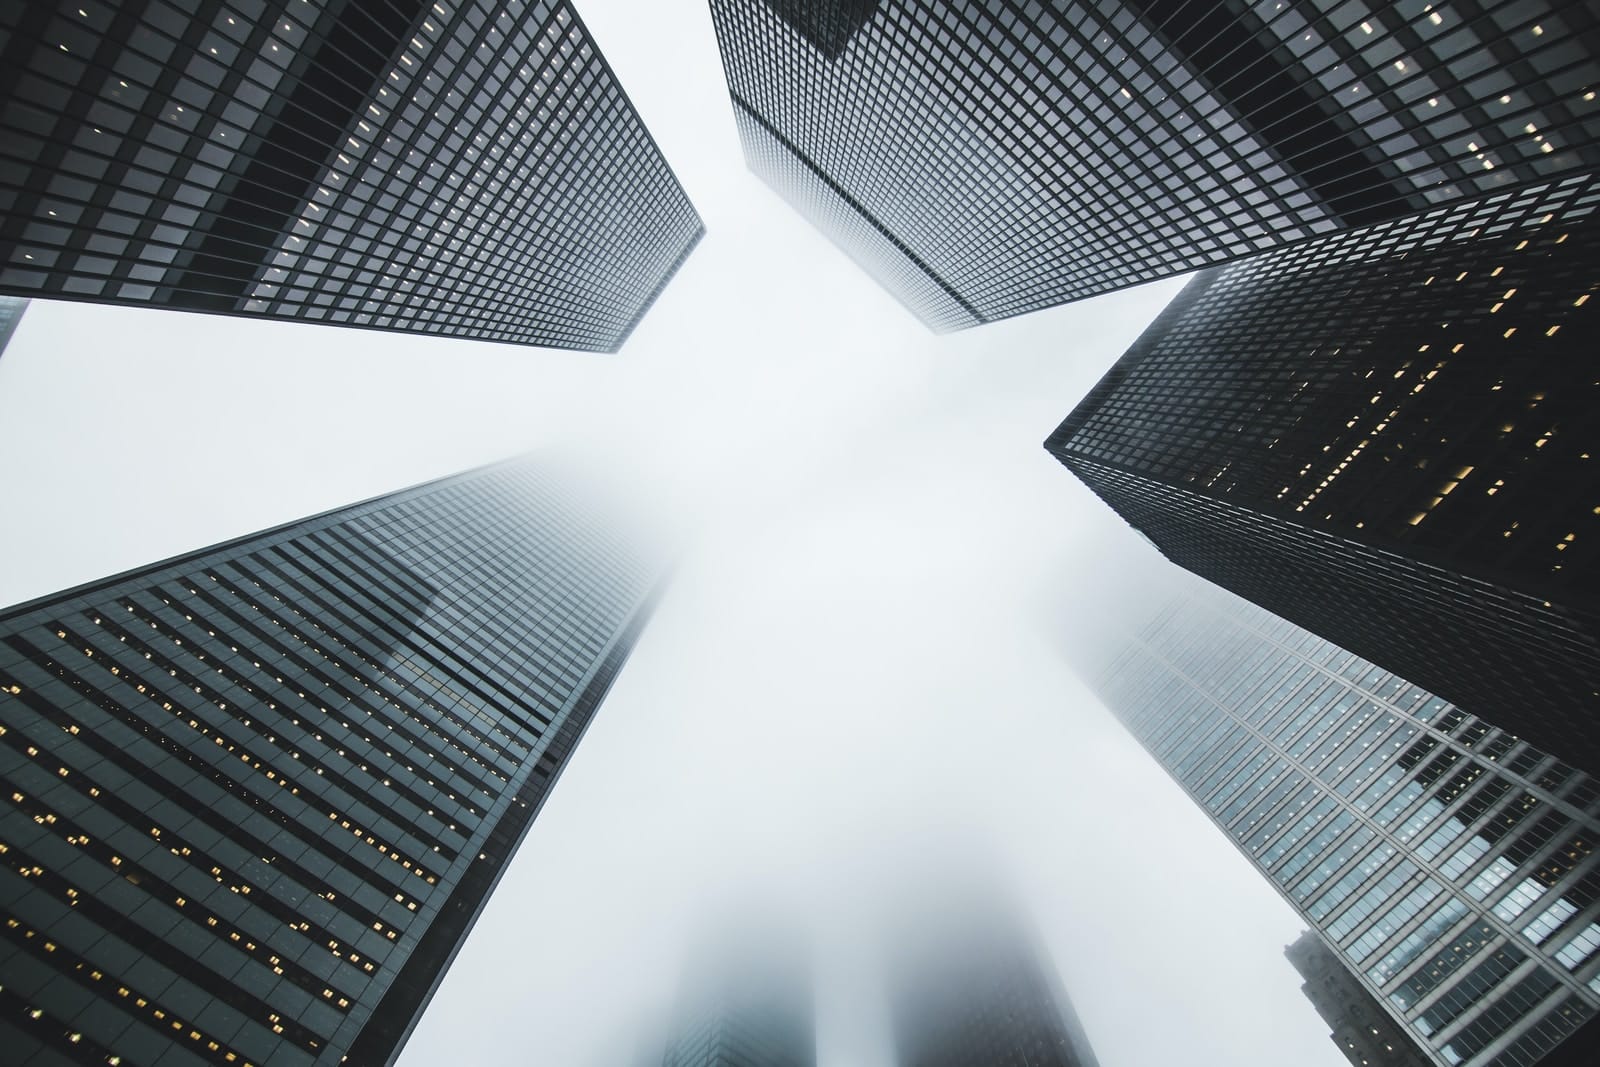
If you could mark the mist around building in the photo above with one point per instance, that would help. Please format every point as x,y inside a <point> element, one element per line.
<point>781,533</point>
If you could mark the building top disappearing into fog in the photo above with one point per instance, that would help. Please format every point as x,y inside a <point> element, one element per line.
<point>985,158</point>
<point>1451,865</point>
<point>747,1001</point>
<point>968,983</point>
<point>255,797</point>
<point>1389,437</point>
<point>462,168</point>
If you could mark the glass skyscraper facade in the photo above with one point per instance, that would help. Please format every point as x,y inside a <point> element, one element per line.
<point>255,796</point>
<point>1450,864</point>
<point>11,310</point>
<point>1362,1030</point>
<point>985,158</point>
<point>461,167</point>
<point>968,984</point>
<point>1388,437</point>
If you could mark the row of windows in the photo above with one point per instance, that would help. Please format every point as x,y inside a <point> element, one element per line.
<point>1449,844</point>
<point>1026,157</point>
<point>492,181</point>
<point>286,774</point>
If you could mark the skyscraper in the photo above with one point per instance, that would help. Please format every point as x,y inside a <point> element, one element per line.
<point>11,310</point>
<point>1388,437</point>
<point>1362,1030</point>
<point>747,1001</point>
<point>1451,864</point>
<point>967,984</point>
<point>256,796</point>
<point>465,168</point>
<point>985,158</point>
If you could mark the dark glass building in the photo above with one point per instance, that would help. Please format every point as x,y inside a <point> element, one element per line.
<point>969,984</point>
<point>1451,865</point>
<point>11,310</point>
<point>985,158</point>
<point>460,167</point>
<point>1389,437</point>
<point>255,796</point>
<point>1362,1030</point>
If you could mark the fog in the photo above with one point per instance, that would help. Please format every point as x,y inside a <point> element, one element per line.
<point>862,650</point>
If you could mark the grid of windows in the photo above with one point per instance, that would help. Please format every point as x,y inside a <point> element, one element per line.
<point>991,157</point>
<point>1451,865</point>
<point>253,798</point>
<point>1362,1030</point>
<point>463,168</point>
<point>1387,435</point>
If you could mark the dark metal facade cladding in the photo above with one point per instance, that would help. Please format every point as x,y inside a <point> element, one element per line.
<point>255,797</point>
<point>1388,436</point>
<point>459,167</point>
<point>1450,865</point>
<point>986,158</point>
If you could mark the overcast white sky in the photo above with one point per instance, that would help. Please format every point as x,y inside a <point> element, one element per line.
<point>851,655</point>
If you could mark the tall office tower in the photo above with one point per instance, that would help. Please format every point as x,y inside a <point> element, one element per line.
<point>1451,864</point>
<point>11,310</point>
<point>1388,437</point>
<point>747,1002</point>
<point>967,984</point>
<point>465,168</point>
<point>985,158</point>
<point>1362,1030</point>
<point>256,796</point>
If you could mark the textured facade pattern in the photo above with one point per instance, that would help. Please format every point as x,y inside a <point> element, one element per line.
<point>463,168</point>
<point>986,158</point>
<point>255,797</point>
<point>1388,436</point>
<point>1451,864</point>
<point>1362,1030</point>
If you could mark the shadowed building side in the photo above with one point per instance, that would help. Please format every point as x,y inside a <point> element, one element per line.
<point>987,159</point>
<point>256,796</point>
<point>462,168</point>
<point>1387,436</point>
